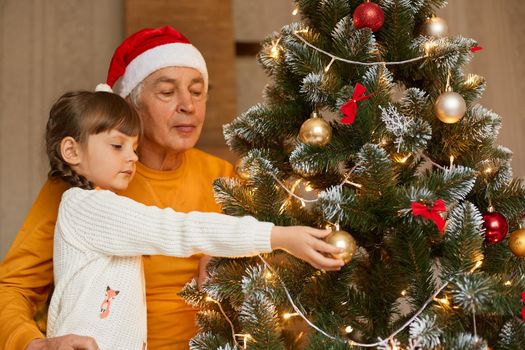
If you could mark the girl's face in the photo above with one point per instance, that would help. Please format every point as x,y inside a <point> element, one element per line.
<point>108,159</point>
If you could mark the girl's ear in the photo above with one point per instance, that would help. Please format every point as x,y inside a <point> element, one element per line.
<point>70,151</point>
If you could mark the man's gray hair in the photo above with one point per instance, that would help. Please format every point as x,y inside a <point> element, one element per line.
<point>134,96</point>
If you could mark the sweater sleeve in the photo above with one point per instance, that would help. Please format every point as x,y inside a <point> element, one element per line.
<point>109,224</point>
<point>26,274</point>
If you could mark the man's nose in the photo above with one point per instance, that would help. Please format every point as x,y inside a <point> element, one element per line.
<point>185,102</point>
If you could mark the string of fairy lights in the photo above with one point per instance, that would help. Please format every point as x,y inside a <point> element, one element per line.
<point>390,339</point>
<point>337,58</point>
<point>348,329</point>
<point>295,182</point>
<point>274,52</point>
<point>308,188</point>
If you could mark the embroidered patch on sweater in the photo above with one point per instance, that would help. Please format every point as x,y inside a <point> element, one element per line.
<point>110,294</point>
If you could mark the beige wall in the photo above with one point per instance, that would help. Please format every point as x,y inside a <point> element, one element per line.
<point>46,48</point>
<point>499,28</point>
<point>50,46</point>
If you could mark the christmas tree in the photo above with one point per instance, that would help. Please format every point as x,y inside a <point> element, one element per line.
<point>370,126</point>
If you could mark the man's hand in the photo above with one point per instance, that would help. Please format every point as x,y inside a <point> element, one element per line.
<point>203,270</point>
<point>65,342</point>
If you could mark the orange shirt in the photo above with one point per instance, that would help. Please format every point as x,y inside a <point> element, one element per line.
<point>27,271</point>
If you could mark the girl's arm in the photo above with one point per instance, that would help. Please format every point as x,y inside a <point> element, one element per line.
<point>109,224</point>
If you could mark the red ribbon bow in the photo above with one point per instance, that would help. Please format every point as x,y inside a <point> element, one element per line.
<point>419,209</point>
<point>349,109</point>
<point>523,310</point>
<point>476,48</point>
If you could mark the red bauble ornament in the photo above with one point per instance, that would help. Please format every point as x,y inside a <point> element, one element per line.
<point>369,15</point>
<point>496,227</point>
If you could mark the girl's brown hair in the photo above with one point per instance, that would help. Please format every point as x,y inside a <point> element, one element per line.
<point>79,114</point>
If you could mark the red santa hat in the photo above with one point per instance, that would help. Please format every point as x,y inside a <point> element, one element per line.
<point>147,51</point>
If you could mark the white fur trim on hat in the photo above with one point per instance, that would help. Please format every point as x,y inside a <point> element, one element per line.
<point>168,55</point>
<point>103,87</point>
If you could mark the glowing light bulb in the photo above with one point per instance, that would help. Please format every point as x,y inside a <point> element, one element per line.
<point>473,80</point>
<point>443,301</point>
<point>429,45</point>
<point>477,266</point>
<point>404,159</point>
<point>274,51</point>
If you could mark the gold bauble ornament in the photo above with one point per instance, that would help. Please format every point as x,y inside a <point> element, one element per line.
<point>344,240</point>
<point>435,27</point>
<point>315,132</point>
<point>517,243</point>
<point>450,107</point>
<point>240,169</point>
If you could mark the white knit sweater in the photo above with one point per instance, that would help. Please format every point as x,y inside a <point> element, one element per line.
<point>99,238</point>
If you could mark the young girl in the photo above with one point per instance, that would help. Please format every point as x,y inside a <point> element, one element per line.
<point>99,236</point>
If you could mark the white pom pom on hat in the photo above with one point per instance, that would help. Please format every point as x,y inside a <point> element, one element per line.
<point>103,87</point>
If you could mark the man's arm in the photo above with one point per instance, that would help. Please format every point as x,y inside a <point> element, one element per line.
<point>26,274</point>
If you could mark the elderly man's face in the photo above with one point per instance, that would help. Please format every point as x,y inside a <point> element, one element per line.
<point>172,108</point>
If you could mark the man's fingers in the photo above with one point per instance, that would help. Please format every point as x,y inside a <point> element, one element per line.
<point>203,270</point>
<point>64,342</point>
<point>202,278</point>
<point>79,342</point>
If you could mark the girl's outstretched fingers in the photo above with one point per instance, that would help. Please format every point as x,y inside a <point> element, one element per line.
<point>319,233</point>
<point>307,243</point>
<point>322,262</point>
<point>322,246</point>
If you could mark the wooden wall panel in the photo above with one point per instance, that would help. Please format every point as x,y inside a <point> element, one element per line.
<point>47,47</point>
<point>208,24</point>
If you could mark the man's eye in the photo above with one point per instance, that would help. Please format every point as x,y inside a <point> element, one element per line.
<point>166,93</point>
<point>116,146</point>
